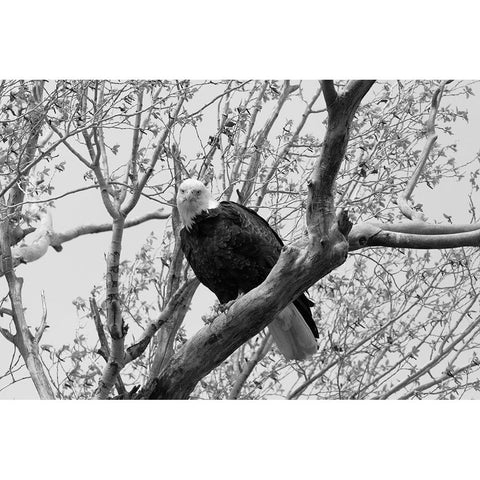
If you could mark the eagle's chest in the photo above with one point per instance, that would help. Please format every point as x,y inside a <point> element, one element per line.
<point>216,247</point>
<point>222,257</point>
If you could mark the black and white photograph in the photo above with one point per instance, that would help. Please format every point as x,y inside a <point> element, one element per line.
<point>240,239</point>
<point>262,217</point>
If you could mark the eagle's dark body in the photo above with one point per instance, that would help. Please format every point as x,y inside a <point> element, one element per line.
<point>231,249</point>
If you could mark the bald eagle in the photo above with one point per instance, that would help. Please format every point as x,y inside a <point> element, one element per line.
<point>232,249</point>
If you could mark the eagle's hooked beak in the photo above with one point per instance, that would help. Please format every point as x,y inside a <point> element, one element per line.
<point>192,196</point>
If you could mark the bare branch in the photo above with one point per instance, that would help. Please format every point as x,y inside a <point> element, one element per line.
<point>35,161</point>
<point>43,322</point>
<point>257,357</point>
<point>156,155</point>
<point>23,338</point>
<point>320,207</point>
<point>104,347</point>
<point>446,376</point>
<point>436,360</point>
<point>204,169</point>
<point>58,239</point>
<point>262,135</point>
<point>99,327</point>
<point>286,149</point>
<point>132,169</point>
<point>240,155</point>
<point>7,335</point>
<point>69,146</point>
<point>179,301</point>
<point>115,324</point>
<point>226,92</point>
<point>430,142</point>
<point>372,235</point>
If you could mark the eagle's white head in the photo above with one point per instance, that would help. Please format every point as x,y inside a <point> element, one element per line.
<point>192,199</point>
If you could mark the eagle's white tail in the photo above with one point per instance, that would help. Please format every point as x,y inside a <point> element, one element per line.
<point>292,335</point>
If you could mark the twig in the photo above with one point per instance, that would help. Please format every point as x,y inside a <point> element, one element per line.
<point>156,155</point>
<point>254,165</point>
<point>43,323</point>
<point>226,92</point>
<point>286,149</point>
<point>99,327</point>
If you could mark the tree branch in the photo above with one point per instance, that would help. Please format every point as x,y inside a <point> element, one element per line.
<point>176,308</point>
<point>286,149</point>
<point>23,338</point>
<point>431,139</point>
<point>321,217</point>
<point>104,350</point>
<point>156,155</point>
<point>257,357</point>
<point>329,93</point>
<point>372,235</point>
<point>295,271</point>
<point>60,238</point>
<point>254,166</point>
<point>115,324</point>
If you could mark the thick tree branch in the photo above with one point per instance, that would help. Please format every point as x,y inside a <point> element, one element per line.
<point>23,338</point>
<point>320,207</point>
<point>435,236</point>
<point>104,350</point>
<point>60,238</point>
<point>33,129</point>
<point>115,324</point>
<point>295,271</point>
<point>31,252</point>
<point>329,93</point>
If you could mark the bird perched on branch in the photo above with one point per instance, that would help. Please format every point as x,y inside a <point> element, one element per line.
<point>232,249</point>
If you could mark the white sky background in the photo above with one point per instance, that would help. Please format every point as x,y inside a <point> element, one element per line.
<point>213,39</point>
